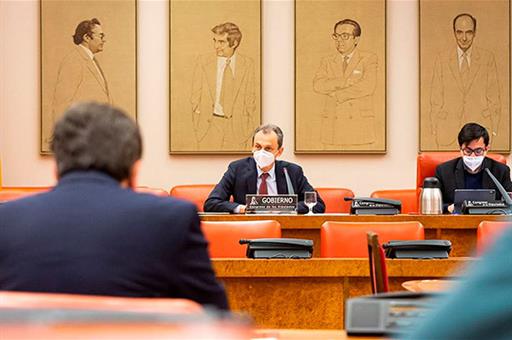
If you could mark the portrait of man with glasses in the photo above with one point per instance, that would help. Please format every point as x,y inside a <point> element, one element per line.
<point>348,81</point>
<point>80,76</point>
<point>467,171</point>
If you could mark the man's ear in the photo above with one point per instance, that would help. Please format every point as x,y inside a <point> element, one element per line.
<point>133,180</point>
<point>279,152</point>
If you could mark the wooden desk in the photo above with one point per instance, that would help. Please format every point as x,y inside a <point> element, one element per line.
<point>459,229</point>
<point>311,293</point>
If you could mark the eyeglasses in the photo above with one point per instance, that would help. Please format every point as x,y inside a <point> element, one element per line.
<point>101,35</point>
<point>342,36</point>
<point>468,151</point>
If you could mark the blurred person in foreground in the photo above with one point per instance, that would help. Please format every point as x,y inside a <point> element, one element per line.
<point>481,305</point>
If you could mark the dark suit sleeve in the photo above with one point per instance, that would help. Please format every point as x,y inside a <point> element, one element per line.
<point>218,200</point>
<point>505,180</point>
<point>195,269</point>
<point>302,186</point>
<point>440,177</point>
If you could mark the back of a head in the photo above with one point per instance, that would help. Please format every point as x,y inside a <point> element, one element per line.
<point>92,136</point>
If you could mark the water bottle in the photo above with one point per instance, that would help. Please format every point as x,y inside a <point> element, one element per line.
<point>431,199</point>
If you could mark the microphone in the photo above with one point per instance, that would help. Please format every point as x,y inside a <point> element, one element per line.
<point>288,182</point>
<point>501,189</point>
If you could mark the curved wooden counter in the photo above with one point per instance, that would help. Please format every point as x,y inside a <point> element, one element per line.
<point>311,293</point>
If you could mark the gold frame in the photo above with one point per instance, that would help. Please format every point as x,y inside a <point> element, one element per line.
<point>42,66</point>
<point>424,83</point>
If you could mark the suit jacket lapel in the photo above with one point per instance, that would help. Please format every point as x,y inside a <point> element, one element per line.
<point>251,176</point>
<point>282,188</point>
<point>240,70</point>
<point>338,66</point>
<point>459,174</point>
<point>354,61</point>
<point>454,67</point>
<point>92,68</point>
<point>210,69</point>
<point>475,66</point>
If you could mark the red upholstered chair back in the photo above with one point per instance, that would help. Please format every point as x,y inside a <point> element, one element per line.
<point>153,191</point>
<point>377,259</point>
<point>28,300</point>
<point>333,199</point>
<point>406,196</point>
<point>223,237</point>
<point>195,193</point>
<point>428,161</point>
<point>349,239</point>
<point>14,193</point>
<point>488,232</point>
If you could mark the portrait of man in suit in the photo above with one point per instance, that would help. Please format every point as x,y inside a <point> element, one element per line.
<point>464,86</point>
<point>223,97</point>
<point>347,79</point>
<point>80,76</point>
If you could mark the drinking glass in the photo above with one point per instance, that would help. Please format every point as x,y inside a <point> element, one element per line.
<point>310,200</point>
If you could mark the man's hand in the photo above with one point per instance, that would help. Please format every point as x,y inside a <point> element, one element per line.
<point>451,207</point>
<point>242,209</point>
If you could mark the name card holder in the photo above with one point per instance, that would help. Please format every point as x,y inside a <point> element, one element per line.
<point>271,204</point>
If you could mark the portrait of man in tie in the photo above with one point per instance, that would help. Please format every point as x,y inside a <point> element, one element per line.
<point>223,97</point>
<point>340,76</point>
<point>80,76</point>
<point>464,72</point>
<point>348,80</point>
<point>88,53</point>
<point>464,86</point>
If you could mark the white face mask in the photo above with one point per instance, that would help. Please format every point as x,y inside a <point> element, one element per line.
<point>263,158</point>
<point>473,162</point>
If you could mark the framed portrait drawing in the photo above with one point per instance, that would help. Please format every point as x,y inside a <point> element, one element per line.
<point>340,76</point>
<point>215,75</point>
<point>88,53</point>
<point>464,71</point>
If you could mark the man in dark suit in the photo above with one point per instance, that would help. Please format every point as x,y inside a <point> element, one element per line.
<point>260,174</point>
<point>467,171</point>
<point>92,234</point>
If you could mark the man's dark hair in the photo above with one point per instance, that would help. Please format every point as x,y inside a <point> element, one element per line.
<point>83,28</point>
<point>357,28</point>
<point>232,30</point>
<point>268,128</point>
<point>473,131</point>
<point>465,15</point>
<point>92,136</point>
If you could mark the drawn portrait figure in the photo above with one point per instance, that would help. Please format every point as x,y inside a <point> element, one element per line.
<point>80,76</point>
<point>348,80</point>
<point>223,94</point>
<point>464,86</point>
